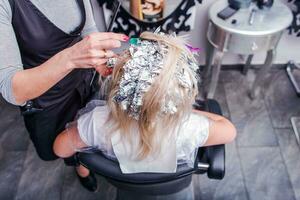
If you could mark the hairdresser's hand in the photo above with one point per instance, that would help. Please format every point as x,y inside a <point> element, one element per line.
<point>104,70</point>
<point>93,51</point>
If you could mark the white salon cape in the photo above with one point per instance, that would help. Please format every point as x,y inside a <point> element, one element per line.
<point>178,148</point>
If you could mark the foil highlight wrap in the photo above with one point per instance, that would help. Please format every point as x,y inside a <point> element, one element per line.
<point>146,63</point>
<point>139,73</point>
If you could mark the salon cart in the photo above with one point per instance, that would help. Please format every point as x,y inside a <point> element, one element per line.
<point>247,32</point>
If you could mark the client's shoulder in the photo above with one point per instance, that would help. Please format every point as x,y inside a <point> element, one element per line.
<point>94,112</point>
<point>100,112</point>
<point>196,118</point>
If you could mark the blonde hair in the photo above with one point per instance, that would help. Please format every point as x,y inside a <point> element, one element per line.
<point>164,87</point>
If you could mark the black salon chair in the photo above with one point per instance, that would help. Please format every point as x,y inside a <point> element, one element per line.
<point>210,160</point>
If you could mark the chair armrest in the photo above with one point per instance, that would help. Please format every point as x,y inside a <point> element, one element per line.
<point>212,156</point>
<point>215,157</point>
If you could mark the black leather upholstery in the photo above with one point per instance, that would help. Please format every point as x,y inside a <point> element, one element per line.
<point>110,169</point>
<point>161,183</point>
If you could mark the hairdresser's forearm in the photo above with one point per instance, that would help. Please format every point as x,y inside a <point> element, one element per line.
<point>92,51</point>
<point>31,83</point>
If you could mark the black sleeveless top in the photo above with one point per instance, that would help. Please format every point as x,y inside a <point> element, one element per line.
<point>39,40</point>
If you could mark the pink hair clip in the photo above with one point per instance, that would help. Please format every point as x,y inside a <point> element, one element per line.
<point>193,49</point>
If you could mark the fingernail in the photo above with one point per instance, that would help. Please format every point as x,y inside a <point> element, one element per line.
<point>125,38</point>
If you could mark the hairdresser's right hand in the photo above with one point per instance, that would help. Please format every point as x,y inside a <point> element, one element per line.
<point>93,50</point>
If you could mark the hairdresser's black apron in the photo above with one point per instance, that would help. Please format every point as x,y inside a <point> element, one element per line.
<point>39,39</point>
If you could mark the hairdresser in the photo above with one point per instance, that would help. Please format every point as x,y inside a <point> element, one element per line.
<point>48,52</point>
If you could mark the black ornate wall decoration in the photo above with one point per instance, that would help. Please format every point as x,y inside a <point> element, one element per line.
<point>294,29</point>
<point>178,20</point>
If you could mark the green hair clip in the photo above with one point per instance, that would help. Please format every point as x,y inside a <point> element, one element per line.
<point>134,41</point>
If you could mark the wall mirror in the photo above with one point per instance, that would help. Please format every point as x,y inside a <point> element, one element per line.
<point>169,15</point>
<point>150,10</point>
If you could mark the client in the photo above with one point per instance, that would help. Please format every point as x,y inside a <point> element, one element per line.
<point>148,123</point>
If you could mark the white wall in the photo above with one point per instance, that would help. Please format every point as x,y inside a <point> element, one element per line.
<point>288,48</point>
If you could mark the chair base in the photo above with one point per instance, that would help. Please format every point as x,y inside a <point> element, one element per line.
<point>186,194</point>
